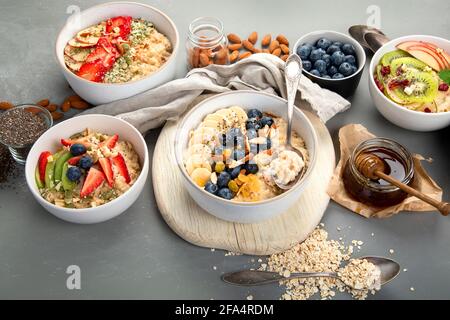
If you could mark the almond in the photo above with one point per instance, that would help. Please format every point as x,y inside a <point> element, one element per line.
<point>204,60</point>
<point>43,103</point>
<point>5,105</point>
<point>222,54</point>
<point>234,47</point>
<point>57,115</point>
<point>274,45</point>
<point>66,105</point>
<point>234,38</point>
<point>266,40</point>
<point>79,105</point>
<point>284,48</point>
<point>276,52</point>
<point>234,56</point>
<point>253,37</point>
<point>257,50</point>
<point>51,107</point>
<point>74,98</point>
<point>245,55</point>
<point>248,45</point>
<point>195,59</point>
<point>285,57</point>
<point>266,51</point>
<point>283,40</point>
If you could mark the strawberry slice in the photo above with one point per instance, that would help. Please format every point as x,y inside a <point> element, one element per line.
<point>111,141</point>
<point>69,142</point>
<point>93,71</point>
<point>42,163</point>
<point>93,180</point>
<point>119,162</point>
<point>103,51</point>
<point>74,161</point>
<point>105,163</point>
<point>122,24</point>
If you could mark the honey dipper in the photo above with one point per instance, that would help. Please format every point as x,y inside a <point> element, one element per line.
<point>374,168</point>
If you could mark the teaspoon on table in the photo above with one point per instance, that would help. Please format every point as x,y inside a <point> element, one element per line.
<point>293,72</point>
<point>389,270</point>
<point>369,37</point>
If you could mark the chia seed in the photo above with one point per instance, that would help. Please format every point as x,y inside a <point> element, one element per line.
<point>19,127</point>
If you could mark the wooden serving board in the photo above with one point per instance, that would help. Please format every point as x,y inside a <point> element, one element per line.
<point>198,227</point>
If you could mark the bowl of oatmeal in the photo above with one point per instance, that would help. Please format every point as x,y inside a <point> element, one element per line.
<point>230,150</point>
<point>88,169</point>
<point>115,50</point>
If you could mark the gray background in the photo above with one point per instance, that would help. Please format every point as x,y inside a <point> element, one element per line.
<point>136,255</point>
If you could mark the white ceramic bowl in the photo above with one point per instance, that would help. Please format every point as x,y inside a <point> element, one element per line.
<point>100,93</point>
<point>50,141</point>
<point>395,113</point>
<point>345,86</point>
<point>244,212</point>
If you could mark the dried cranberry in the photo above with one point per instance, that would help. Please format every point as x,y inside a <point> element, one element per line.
<point>385,70</point>
<point>443,87</point>
<point>427,110</point>
<point>398,83</point>
<point>379,85</point>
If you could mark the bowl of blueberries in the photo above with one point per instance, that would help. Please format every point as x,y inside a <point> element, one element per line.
<point>333,60</point>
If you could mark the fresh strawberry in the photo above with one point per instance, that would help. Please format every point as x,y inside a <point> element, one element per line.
<point>123,23</point>
<point>119,162</point>
<point>111,141</point>
<point>69,142</point>
<point>93,180</point>
<point>105,163</point>
<point>93,71</point>
<point>74,161</point>
<point>103,51</point>
<point>42,163</point>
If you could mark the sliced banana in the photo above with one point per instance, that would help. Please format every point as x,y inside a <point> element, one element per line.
<point>203,135</point>
<point>197,161</point>
<point>201,176</point>
<point>91,35</point>
<point>240,113</point>
<point>200,149</point>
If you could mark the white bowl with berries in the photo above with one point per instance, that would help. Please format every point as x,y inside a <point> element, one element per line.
<point>88,169</point>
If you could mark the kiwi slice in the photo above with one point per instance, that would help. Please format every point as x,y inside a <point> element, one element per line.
<point>410,63</point>
<point>388,57</point>
<point>424,88</point>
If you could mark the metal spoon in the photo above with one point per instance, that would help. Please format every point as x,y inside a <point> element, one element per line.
<point>358,32</point>
<point>375,40</point>
<point>389,270</point>
<point>293,72</point>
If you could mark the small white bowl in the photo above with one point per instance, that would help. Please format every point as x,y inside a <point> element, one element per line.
<point>395,113</point>
<point>50,141</point>
<point>244,212</point>
<point>101,93</point>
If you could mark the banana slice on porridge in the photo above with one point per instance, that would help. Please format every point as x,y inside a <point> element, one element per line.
<point>201,176</point>
<point>203,135</point>
<point>240,114</point>
<point>198,161</point>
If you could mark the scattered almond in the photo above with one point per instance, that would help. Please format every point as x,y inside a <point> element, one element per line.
<point>253,37</point>
<point>266,40</point>
<point>74,98</point>
<point>245,55</point>
<point>234,47</point>
<point>43,103</point>
<point>284,48</point>
<point>274,45</point>
<point>234,38</point>
<point>195,58</point>
<point>51,107</point>
<point>234,56</point>
<point>204,60</point>
<point>248,45</point>
<point>285,57</point>
<point>283,40</point>
<point>79,105</point>
<point>5,105</point>
<point>57,115</point>
<point>266,51</point>
<point>66,105</point>
<point>276,52</point>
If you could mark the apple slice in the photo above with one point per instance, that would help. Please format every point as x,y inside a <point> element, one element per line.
<point>427,52</point>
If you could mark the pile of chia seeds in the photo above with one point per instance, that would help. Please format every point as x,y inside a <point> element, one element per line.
<point>19,127</point>
<point>7,164</point>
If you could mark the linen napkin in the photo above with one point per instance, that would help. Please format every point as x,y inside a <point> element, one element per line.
<point>261,72</point>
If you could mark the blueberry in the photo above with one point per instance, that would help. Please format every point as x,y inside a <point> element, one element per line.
<point>315,73</point>
<point>225,193</point>
<point>73,174</point>
<point>338,44</point>
<point>337,58</point>
<point>251,168</point>
<point>320,66</point>
<point>307,65</point>
<point>338,76</point>
<point>304,51</point>
<point>327,58</point>
<point>234,173</point>
<point>211,187</point>
<point>252,133</point>
<point>316,55</point>
<point>253,123</point>
<point>332,49</point>
<point>254,113</point>
<point>350,59</point>
<point>223,179</point>
<point>325,76</point>
<point>354,69</point>
<point>85,162</point>
<point>238,154</point>
<point>345,69</point>
<point>77,149</point>
<point>266,121</point>
<point>332,70</point>
<point>323,43</point>
<point>348,49</point>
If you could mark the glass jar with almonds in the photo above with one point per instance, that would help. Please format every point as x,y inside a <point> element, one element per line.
<point>206,43</point>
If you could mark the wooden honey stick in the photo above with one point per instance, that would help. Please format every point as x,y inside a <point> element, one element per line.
<point>374,168</point>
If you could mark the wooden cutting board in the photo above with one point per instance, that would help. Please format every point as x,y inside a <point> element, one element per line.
<point>198,227</point>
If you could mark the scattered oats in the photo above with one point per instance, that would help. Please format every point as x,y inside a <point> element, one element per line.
<point>391,251</point>
<point>249,297</point>
<point>263,267</point>
<point>230,253</point>
<point>372,234</point>
<point>259,260</point>
<point>405,270</point>
<point>286,273</point>
<point>360,243</point>
<point>212,249</point>
<point>412,289</point>
<point>252,260</point>
<point>214,268</point>
<point>338,229</point>
<point>359,247</point>
<point>322,224</point>
<point>362,276</point>
<point>340,238</point>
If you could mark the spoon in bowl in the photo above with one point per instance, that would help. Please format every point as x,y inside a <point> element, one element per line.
<point>389,270</point>
<point>293,72</point>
